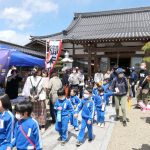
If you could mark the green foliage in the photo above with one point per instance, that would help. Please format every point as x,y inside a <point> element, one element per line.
<point>146,47</point>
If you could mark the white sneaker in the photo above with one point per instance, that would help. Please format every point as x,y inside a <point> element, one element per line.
<point>102,125</point>
<point>99,124</point>
<point>76,129</point>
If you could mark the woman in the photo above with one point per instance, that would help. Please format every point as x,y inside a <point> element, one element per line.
<point>120,87</point>
<point>35,88</point>
<point>12,84</point>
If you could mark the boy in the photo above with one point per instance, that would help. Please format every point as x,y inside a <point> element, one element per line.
<point>26,134</point>
<point>95,89</point>
<point>87,107</point>
<point>100,105</point>
<point>74,101</point>
<point>63,108</point>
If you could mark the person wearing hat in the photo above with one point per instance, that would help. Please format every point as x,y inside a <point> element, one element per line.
<point>120,87</point>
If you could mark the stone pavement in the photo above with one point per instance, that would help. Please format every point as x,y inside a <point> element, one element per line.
<point>101,136</point>
<point>136,136</point>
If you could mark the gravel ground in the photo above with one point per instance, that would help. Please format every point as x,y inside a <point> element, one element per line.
<point>136,136</point>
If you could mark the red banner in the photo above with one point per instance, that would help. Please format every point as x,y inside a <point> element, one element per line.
<point>53,52</point>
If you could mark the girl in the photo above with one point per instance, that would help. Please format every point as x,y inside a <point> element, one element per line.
<point>6,122</point>
<point>74,101</point>
<point>26,133</point>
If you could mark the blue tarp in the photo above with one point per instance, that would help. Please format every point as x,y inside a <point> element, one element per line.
<point>20,59</point>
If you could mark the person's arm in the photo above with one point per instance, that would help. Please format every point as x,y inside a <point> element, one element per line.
<point>26,88</point>
<point>13,141</point>
<point>79,107</point>
<point>56,105</point>
<point>70,107</point>
<point>36,132</point>
<point>10,131</point>
<point>126,84</point>
<point>92,108</point>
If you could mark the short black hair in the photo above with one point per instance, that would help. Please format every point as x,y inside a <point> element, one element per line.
<point>61,92</point>
<point>101,89</point>
<point>24,107</point>
<point>89,89</point>
<point>6,102</point>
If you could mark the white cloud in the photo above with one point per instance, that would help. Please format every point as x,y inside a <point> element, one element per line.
<point>20,17</point>
<point>16,17</point>
<point>37,6</point>
<point>14,37</point>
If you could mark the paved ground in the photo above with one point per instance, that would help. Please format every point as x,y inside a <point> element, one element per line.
<point>102,136</point>
<point>136,136</point>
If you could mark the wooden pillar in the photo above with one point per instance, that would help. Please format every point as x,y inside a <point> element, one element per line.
<point>89,61</point>
<point>73,55</point>
<point>95,62</point>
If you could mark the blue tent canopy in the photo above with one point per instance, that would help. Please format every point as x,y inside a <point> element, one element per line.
<point>18,58</point>
<point>21,59</point>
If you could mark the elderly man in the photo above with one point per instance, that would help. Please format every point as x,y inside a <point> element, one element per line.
<point>54,85</point>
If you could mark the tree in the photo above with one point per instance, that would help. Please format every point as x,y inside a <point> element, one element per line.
<point>146,58</point>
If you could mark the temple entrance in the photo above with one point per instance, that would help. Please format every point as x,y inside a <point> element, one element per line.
<point>121,62</point>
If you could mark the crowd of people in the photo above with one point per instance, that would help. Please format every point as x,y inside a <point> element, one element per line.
<point>73,93</point>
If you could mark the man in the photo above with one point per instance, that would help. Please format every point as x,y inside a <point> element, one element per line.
<point>54,85</point>
<point>143,84</point>
<point>74,80</point>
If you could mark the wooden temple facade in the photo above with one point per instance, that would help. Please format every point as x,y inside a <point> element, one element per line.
<point>100,40</point>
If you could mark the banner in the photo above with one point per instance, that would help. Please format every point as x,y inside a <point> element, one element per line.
<point>53,52</point>
<point>4,64</point>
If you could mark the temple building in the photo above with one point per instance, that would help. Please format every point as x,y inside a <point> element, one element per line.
<point>100,40</point>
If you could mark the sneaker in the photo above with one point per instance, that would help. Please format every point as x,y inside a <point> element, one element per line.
<point>90,140</point>
<point>78,143</point>
<point>102,125</point>
<point>59,139</point>
<point>99,124</point>
<point>63,143</point>
<point>76,129</point>
<point>124,123</point>
<point>117,118</point>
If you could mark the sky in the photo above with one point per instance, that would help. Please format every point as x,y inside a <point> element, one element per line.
<point>21,18</point>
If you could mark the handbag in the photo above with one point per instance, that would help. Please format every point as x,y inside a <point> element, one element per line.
<point>25,135</point>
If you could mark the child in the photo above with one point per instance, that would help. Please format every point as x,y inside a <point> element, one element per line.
<point>63,108</point>
<point>100,104</point>
<point>26,134</point>
<point>87,107</point>
<point>106,87</point>
<point>74,101</point>
<point>95,89</point>
<point>6,123</point>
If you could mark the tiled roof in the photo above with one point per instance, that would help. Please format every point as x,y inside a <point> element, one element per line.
<point>123,23</point>
<point>22,49</point>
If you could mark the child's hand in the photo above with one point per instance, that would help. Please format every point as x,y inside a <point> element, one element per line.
<point>8,148</point>
<point>76,115</point>
<point>89,122</point>
<point>59,108</point>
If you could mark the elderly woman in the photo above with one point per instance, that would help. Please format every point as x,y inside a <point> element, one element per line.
<point>120,87</point>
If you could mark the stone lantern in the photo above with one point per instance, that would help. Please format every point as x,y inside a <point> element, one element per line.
<point>67,62</point>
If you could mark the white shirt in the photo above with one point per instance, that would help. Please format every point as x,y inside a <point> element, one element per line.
<point>98,77</point>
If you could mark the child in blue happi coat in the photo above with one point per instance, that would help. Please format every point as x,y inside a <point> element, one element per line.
<point>95,89</point>
<point>106,87</point>
<point>100,106</point>
<point>6,123</point>
<point>63,109</point>
<point>26,133</point>
<point>74,101</point>
<point>87,107</point>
